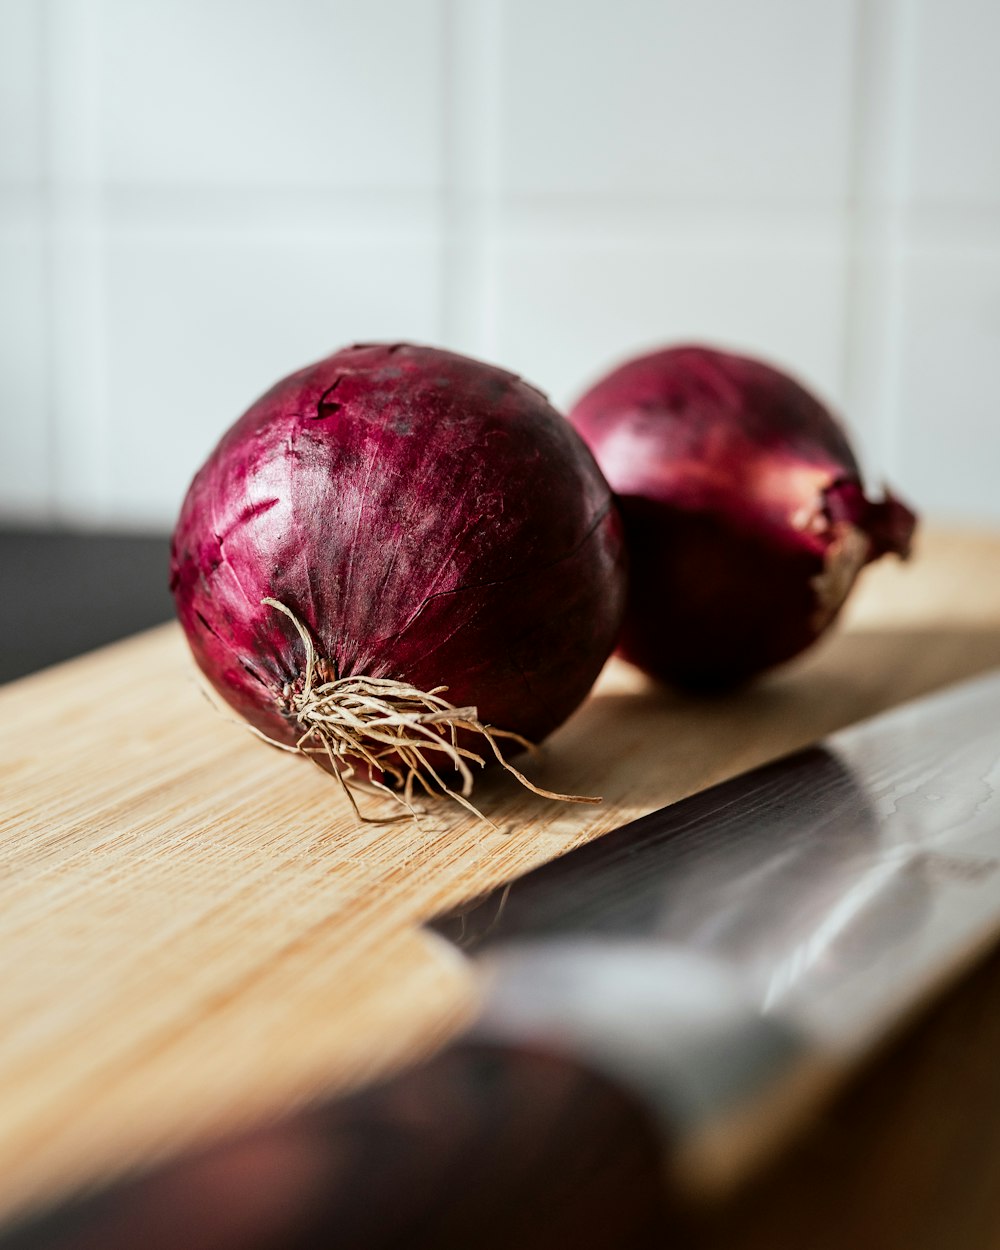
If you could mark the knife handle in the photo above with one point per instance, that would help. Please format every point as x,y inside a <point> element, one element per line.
<point>484,1146</point>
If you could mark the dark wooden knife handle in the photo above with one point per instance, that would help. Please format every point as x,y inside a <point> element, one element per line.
<point>484,1146</point>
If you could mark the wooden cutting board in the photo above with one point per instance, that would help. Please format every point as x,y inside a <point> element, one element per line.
<point>196,931</point>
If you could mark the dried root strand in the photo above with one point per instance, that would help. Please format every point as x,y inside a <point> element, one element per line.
<point>388,727</point>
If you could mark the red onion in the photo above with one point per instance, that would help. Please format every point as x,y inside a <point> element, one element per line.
<point>386,525</point>
<point>744,512</point>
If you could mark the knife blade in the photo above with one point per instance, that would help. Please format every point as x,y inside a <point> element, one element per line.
<point>729,956</point>
<point>686,987</point>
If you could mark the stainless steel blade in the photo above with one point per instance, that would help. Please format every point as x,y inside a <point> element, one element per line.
<point>730,955</point>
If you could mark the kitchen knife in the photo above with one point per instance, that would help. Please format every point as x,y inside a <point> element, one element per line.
<point>681,992</point>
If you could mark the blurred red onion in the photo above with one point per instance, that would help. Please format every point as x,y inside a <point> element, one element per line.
<point>745,516</point>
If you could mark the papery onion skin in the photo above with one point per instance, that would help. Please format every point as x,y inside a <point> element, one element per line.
<point>745,516</point>
<point>427,517</point>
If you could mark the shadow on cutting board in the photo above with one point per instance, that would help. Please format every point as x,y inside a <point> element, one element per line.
<point>848,677</point>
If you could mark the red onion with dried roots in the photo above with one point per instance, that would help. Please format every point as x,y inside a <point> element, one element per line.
<point>387,527</point>
<point>745,516</point>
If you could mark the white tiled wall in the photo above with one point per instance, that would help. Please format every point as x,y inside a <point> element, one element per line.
<point>682,100</point>
<point>197,196</point>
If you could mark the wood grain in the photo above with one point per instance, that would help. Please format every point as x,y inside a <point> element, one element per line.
<point>196,931</point>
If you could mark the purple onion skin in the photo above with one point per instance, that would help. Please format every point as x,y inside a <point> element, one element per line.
<point>429,518</point>
<point>745,516</point>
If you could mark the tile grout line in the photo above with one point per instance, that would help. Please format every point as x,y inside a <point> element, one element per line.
<point>875,226</point>
<point>450,172</point>
<point>906,43</point>
<point>47,213</point>
<point>491,40</point>
<point>76,230</point>
<point>469,107</point>
<point>863,291</point>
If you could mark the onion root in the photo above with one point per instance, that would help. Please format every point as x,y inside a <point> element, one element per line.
<point>390,728</point>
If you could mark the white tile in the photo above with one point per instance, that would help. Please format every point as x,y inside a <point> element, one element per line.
<point>566,312</point>
<point>326,93</point>
<point>948,433</point>
<point>24,439</point>
<point>199,325</point>
<point>21,139</point>
<point>74,73</point>
<point>955,113</point>
<point>723,98</point>
<point>78,365</point>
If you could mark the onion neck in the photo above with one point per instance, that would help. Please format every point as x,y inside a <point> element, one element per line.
<point>860,530</point>
<point>887,524</point>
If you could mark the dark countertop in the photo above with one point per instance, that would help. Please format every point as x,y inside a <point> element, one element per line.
<point>65,593</point>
